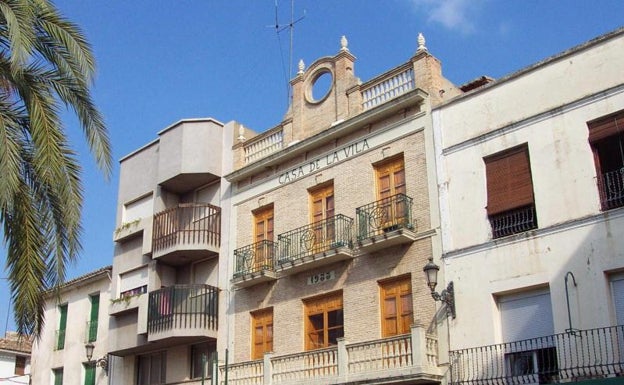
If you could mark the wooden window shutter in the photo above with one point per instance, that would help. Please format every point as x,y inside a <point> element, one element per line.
<point>262,329</point>
<point>396,306</point>
<point>509,184</point>
<point>605,127</point>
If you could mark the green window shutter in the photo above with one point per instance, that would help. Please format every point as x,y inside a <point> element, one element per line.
<point>62,327</point>
<point>89,374</point>
<point>93,320</point>
<point>58,376</point>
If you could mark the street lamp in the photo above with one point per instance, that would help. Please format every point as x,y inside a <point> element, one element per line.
<point>448,295</point>
<point>101,362</point>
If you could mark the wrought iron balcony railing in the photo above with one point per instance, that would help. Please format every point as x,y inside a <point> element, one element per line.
<point>59,338</point>
<point>91,331</point>
<point>611,189</point>
<point>182,307</point>
<point>187,224</point>
<point>513,221</point>
<point>318,237</point>
<point>384,215</point>
<point>255,258</point>
<point>564,357</point>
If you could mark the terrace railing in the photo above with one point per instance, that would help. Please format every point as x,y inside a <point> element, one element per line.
<point>183,307</point>
<point>611,189</point>
<point>384,215</point>
<point>317,237</point>
<point>564,357</point>
<point>387,87</point>
<point>263,146</point>
<point>413,354</point>
<point>187,224</point>
<point>254,258</point>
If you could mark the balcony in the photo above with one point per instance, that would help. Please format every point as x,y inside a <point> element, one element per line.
<point>183,313</point>
<point>611,189</point>
<point>410,358</point>
<point>564,357</point>
<point>513,221</point>
<point>254,264</point>
<point>191,230</point>
<point>385,223</point>
<point>316,244</point>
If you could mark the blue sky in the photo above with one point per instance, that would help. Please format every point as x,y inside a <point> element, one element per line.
<point>162,61</point>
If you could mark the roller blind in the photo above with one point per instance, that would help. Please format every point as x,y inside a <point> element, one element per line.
<point>133,279</point>
<point>617,290</point>
<point>604,127</point>
<point>526,315</point>
<point>509,184</point>
<point>140,208</point>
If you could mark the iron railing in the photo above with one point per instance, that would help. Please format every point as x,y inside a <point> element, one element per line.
<point>91,331</point>
<point>183,307</point>
<point>611,189</point>
<point>513,221</point>
<point>564,357</point>
<point>384,215</point>
<point>318,237</point>
<point>186,224</point>
<point>59,337</point>
<point>255,258</point>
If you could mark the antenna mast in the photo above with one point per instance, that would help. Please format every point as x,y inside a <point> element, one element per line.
<point>291,29</point>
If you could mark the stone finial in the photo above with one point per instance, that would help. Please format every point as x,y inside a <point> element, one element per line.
<point>421,43</point>
<point>241,133</point>
<point>343,43</point>
<point>301,67</point>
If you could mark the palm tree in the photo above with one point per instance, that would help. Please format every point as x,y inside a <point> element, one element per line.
<point>46,65</point>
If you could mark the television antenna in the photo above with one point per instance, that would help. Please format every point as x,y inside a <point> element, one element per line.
<point>290,27</point>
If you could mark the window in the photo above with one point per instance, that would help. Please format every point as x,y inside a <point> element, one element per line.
<point>60,333</point>
<point>20,365</point>
<point>151,369</point>
<point>396,306</point>
<point>93,318</point>
<point>392,209</point>
<point>140,208</point>
<point>57,376</point>
<point>617,293</point>
<point>527,327</point>
<point>606,137</point>
<point>321,210</point>
<point>510,201</point>
<point>262,333</point>
<point>323,321</point>
<point>263,231</point>
<point>133,282</point>
<point>202,358</point>
<point>89,371</point>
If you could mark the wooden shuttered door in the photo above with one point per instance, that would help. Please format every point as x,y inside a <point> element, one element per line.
<point>509,184</point>
<point>396,306</point>
<point>603,128</point>
<point>263,224</point>
<point>390,178</point>
<point>324,321</point>
<point>262,329</point>
<point>322,203</point>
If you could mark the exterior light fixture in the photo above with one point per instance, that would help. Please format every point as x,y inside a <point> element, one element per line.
<point>101,362</point>
<point>448,295</point>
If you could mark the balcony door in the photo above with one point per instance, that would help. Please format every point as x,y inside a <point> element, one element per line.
<point>323,230</point>
<point>527,327</point>
<point>390,182</point>
<point>263,231</point>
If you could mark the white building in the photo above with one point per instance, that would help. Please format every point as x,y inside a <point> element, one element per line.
<point>530,173</point>
<point>14,359</point>
<point>76,317</point>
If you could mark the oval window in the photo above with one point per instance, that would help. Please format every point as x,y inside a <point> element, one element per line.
<point>321,86</point>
